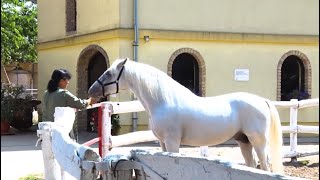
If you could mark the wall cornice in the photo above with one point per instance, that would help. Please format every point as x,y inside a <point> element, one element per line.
<point>311,40</point>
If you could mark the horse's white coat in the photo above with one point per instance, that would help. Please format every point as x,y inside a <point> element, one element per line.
<point>177,116</point>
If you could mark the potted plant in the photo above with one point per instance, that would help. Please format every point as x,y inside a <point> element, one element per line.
<point>6,112</point>
<point>17,106</point>
<point>115,124</point>
<point>93,120</point>
<point>93,123</point>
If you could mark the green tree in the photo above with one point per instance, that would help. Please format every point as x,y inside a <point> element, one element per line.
<point>18,31</point>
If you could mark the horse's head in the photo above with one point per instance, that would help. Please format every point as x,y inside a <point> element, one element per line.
<point>110,81</point>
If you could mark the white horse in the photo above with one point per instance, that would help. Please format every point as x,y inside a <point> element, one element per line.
<point>177,116</point>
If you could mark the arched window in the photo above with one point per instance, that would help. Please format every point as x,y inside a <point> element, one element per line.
<point>187,67</point>
<point>185,70</point>
<point>293,85</point>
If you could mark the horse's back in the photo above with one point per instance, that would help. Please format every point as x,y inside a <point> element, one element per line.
<point>214,120</point>
<point>241,100</point>
<point>239,96</point>
<point>252,111</point>
<point>239,111</point>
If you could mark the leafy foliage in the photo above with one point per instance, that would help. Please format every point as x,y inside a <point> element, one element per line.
<point>93,123</point>
<point>33,177</point>
<point>18,31</point>
<point>12,100</point>
<point>115,121</point>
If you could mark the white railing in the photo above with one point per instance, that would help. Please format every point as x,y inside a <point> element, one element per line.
<point>65,159</point>
<point>294,128</point>
<point>32,92</point>
<point>73,158</point>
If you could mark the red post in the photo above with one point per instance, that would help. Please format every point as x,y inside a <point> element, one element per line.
<point>107,110</point>
<point>104,128</point>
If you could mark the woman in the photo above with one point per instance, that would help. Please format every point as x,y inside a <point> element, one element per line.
<point>57,95</point>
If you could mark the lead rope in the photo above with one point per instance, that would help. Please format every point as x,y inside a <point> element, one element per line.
<point>38,141</point>
<point>75,128</point>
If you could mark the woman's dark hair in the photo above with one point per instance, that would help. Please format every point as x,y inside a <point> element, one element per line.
<point>56,76</point>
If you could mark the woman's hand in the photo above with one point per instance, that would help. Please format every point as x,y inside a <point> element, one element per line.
<point>92,101</point>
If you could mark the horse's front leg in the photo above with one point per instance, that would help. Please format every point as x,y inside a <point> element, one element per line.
<point>168,133</point>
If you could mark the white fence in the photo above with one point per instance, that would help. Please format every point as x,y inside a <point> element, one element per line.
<point>66,159</point>
<point>294,128</point>
<point>32,92</point>
<point>62,157</point>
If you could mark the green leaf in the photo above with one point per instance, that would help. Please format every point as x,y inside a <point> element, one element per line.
<point>305,162</point>
<point>18,31</point>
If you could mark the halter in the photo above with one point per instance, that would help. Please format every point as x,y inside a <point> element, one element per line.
<point>113,82</point>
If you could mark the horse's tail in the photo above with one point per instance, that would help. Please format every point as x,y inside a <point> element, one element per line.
<point>275,141</point>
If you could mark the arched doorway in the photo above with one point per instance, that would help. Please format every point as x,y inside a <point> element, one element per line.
<point>92,62</point>
<point>185,70</point>
<point>97,65</point>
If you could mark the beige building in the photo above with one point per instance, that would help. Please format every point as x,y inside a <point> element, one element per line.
<point>269,48</point>
<point>25,74</point>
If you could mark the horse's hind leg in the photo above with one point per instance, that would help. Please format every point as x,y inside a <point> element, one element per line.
<point>169,146</point>
<point>172,146</point>
<point>163,146</point>
<point>259,144</point>
<point>247,153</point>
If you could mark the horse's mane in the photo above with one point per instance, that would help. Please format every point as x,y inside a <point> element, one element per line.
<point>156,83</point>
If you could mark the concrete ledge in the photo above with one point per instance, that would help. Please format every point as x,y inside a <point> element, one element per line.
<point>176,166</point>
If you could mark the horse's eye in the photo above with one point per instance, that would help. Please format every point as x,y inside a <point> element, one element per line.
<point>108,75</point>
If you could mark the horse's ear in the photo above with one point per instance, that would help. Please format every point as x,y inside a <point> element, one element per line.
<point>125,60</point>
<point>122,63</point>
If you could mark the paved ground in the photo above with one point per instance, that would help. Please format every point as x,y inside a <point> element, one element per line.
<point>20,157</point>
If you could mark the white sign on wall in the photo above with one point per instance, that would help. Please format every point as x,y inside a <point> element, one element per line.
<point>241,74</point>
